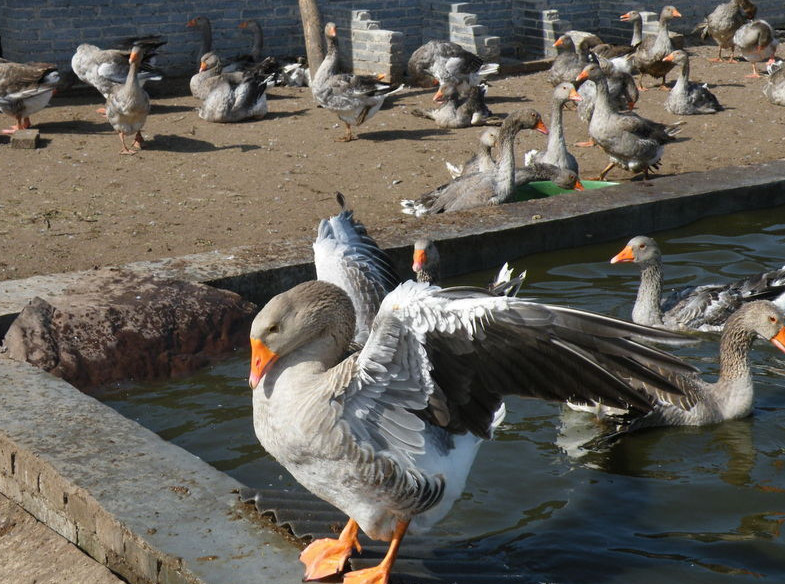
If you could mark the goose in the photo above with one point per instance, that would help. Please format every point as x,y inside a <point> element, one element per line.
<point>354,98</point>
<point>448,64</point>
<point>632,142</point>
<point>207,77</point>
<point>774,90</point>
<point>128,105</point>
<point>652,50</point>
<point>457,111</point>
<point>541,171</point>
<point>730,397</point>
<point>345,255</point>
<point>556,152</point>
<point>482,161</point>
<point>426,265</point>
<point>106,69</point>
<point>703,308</point>
<point>481,189</point>
<point>26,89</point>
<point>687,97</point>
<point>234,100</point>
<point>569,61</point>
<point>205,30</point>
<point>388,433</point>
<point>723,22</point>
<point>621,56</point>
<point>757,43</point>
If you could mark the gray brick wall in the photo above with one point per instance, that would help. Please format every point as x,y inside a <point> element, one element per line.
<point>58,26</point>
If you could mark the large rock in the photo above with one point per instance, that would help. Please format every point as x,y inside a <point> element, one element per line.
<point>116,324</point>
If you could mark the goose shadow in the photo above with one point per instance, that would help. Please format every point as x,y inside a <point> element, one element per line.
<point>175,143</point>
<point>276,115</point>
<point>418,134</point>
<point>158,108</point>
<point>75,127</point>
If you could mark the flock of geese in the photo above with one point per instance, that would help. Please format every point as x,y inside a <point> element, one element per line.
<point>375,393</point>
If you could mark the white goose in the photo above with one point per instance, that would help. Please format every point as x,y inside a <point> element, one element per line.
<point>388,434</point>
<point>704,308</point>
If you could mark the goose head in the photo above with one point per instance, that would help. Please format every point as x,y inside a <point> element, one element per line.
<point>425,261</point>
<point>639,250</point>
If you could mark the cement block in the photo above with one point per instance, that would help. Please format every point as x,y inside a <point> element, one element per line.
<point>25,139</point>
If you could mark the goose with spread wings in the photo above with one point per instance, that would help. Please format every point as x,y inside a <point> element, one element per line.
<point>388,434</point>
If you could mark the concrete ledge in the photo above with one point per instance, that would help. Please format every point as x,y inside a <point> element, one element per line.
<point>150,511</point>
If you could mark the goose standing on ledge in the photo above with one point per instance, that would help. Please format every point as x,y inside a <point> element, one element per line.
<point>389,433</point>
<point>703,308</point>
<point>128,105</point>
<point>652,50</point>
<point>354,98</point>
<point>481,189</point>
<point>26,89</point>
<point>687,97</point>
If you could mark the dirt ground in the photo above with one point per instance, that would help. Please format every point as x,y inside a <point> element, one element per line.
<point>76,203</point>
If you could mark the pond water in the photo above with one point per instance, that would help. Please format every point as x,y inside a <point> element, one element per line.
<point>697,505</point>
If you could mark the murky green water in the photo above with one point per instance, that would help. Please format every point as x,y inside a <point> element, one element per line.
<point>697,505</point>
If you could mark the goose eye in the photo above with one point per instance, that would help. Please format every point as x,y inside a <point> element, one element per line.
<point>772,319</point>
<point>273,328</point>
<point>642,246</point>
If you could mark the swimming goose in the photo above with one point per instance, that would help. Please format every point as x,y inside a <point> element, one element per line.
<point>481,189</point>
<point>556,152</point>
<point>774,90</point>
<point>457,111</point>
<point>569,62</point>
<point>450,65</point>
<point>388,434</point>
<point>730,396</point>
<point>345,255</point>
<point>128,105</point>
<point>687,97</point>
<point>25,89</point>
<point>704,308</point>
<point>632,142</point>
<point>427,268</point>
<point>757,43</point>
<point>652,50</point>
<point>354,98</point>
<point>482,161</point>
<point>723,22</point>
<point>106,69</point>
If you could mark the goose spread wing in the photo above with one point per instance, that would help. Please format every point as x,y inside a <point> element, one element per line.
<point>446,357</point>
<point>345,255</point>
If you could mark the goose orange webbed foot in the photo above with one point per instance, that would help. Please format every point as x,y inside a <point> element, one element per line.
<point>377,575</point>
<point>326,557</point>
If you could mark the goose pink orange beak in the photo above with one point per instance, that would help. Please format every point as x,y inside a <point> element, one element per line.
<point>624,255</point>
<point>262,358</point>
<point>419,260</point>
<point>778,340</point>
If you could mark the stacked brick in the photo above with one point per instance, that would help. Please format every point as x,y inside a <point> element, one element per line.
<point>376,51</point>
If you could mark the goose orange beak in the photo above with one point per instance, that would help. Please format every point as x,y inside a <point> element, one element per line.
<point>558,42</point>
<point>439,95</point>
<point>575,96</point>
<point>778,340</point>
<point>541,127</point>
<point>625,16</point>
<point>676,13</point>
<point>624,255</point>
<point>262,358</point>
<point>419,260</point>
<point>579,186</point>
<point>582,76</point>
<point>191,22</point>
<point>669,57</point>
<point>202,66</point>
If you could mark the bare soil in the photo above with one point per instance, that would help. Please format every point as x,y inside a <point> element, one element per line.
<point>76,203</point>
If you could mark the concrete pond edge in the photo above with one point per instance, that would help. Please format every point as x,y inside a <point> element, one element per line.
<point>154,513</point>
